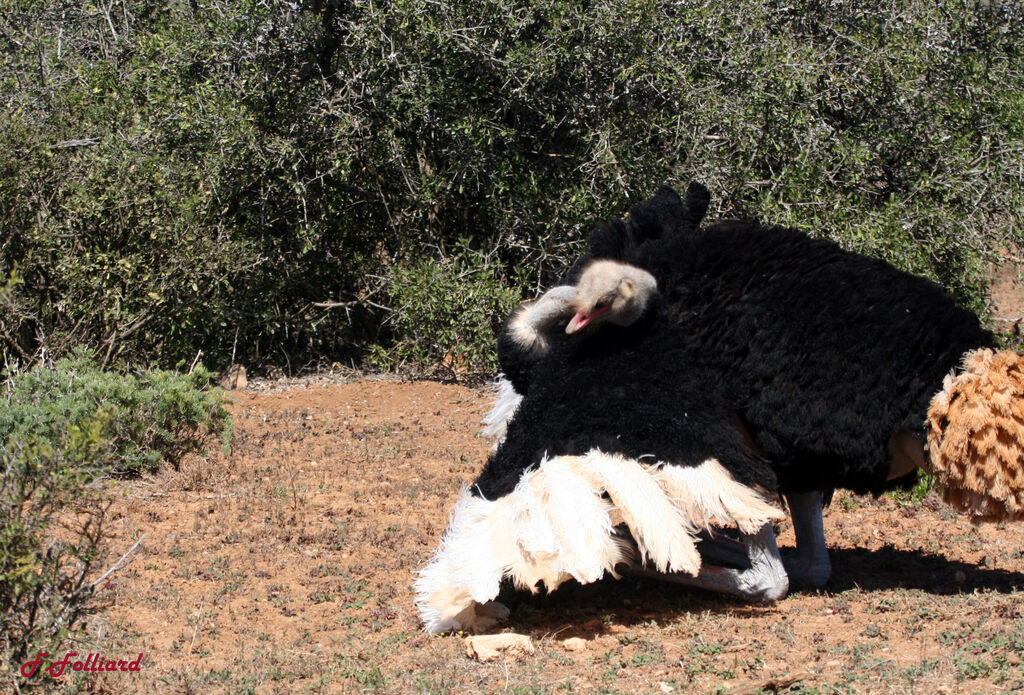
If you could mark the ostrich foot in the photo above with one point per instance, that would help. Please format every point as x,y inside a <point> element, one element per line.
<point>807,571</point>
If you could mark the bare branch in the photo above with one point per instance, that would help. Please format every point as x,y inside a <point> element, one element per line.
<point>79,142</point>
<point>117,565</point>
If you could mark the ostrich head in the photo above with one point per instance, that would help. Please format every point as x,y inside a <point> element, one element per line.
<point>612,292</point>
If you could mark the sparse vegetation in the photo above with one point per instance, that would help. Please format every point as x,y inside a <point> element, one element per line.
<point>318,598</point>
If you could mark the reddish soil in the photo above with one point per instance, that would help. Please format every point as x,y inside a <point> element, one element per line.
<point>285,566</point>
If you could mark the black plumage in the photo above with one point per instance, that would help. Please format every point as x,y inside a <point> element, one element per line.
<point>624,390</point>
<point>831,352</point>
<point>772,351</point>
<point>650,232</point>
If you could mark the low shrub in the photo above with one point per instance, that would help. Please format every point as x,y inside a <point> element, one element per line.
<point>62,427</point>
<point>138,420</point>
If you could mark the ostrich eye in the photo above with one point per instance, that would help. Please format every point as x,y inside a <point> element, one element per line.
<point>605,301</point>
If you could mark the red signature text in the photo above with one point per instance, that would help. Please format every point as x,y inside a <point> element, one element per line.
<point>93,663</point>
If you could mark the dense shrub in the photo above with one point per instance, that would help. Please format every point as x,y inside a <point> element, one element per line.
<point>60,428</point>
<point>447,311</point>
<point>236,177</point>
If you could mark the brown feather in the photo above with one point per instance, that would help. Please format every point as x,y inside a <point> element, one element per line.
<point>976,436</point>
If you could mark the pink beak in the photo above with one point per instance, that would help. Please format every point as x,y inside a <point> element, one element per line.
<point>580,320</point>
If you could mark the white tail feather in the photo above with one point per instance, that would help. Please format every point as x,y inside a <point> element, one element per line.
<point>551,527</point>
<point>463,568</point>
<point>505,405</point>
<point>661,531</point>
<point>581,519</point>
<point>708,495</point>
<point>557,523</point>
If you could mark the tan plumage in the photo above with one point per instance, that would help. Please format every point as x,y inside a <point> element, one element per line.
<point>613,292</point>
<point>976,436</point>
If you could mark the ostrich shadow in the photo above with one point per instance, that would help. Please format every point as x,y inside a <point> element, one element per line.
<point>591,610</point>
<point>588,611</point>
<point>889,567</point>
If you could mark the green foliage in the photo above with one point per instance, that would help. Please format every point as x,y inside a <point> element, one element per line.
<point>46,554</point>
<point>152,200</point>
<point>126,423</point>
<point>448,310</point>
<point>235,177</point>
<point>923,485</point>
<point>61,428</point>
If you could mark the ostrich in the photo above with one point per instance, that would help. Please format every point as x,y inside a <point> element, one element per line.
<point>850,373</point>
<point>568,472</point>
<point>608,291</point>
<point>811,303</point>
<point>764,351</point>
<point>613,292</point>
<point>533,326</point>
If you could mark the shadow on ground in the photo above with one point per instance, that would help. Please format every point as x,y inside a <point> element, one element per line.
<point>588,611</point>
<point>889,568</point>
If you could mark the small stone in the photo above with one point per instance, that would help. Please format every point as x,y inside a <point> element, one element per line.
<point>575,644</point>
<point>489,647</point>
<point>665,687</point>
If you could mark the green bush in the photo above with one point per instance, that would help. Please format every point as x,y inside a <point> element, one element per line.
<point>138,421</point>
<point>447,311</point>
<point>156,191</point>
<point>51,531</point>
<point>235,177</point>
<point>61,427</point>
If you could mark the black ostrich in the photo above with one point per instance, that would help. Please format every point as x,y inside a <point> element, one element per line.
<point>758,360</point>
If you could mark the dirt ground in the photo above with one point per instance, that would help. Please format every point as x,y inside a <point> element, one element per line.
<point>285,566</point>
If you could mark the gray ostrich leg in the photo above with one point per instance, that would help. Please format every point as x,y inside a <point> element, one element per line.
<point>768,576</point>
<point>809,566</point>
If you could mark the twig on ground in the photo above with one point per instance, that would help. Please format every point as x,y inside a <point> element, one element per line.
<point>199,620</point>
<point>119,563</point>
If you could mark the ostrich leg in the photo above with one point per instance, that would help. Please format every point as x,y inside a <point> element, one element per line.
<point>765,580</point>
<point>809,566</point>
